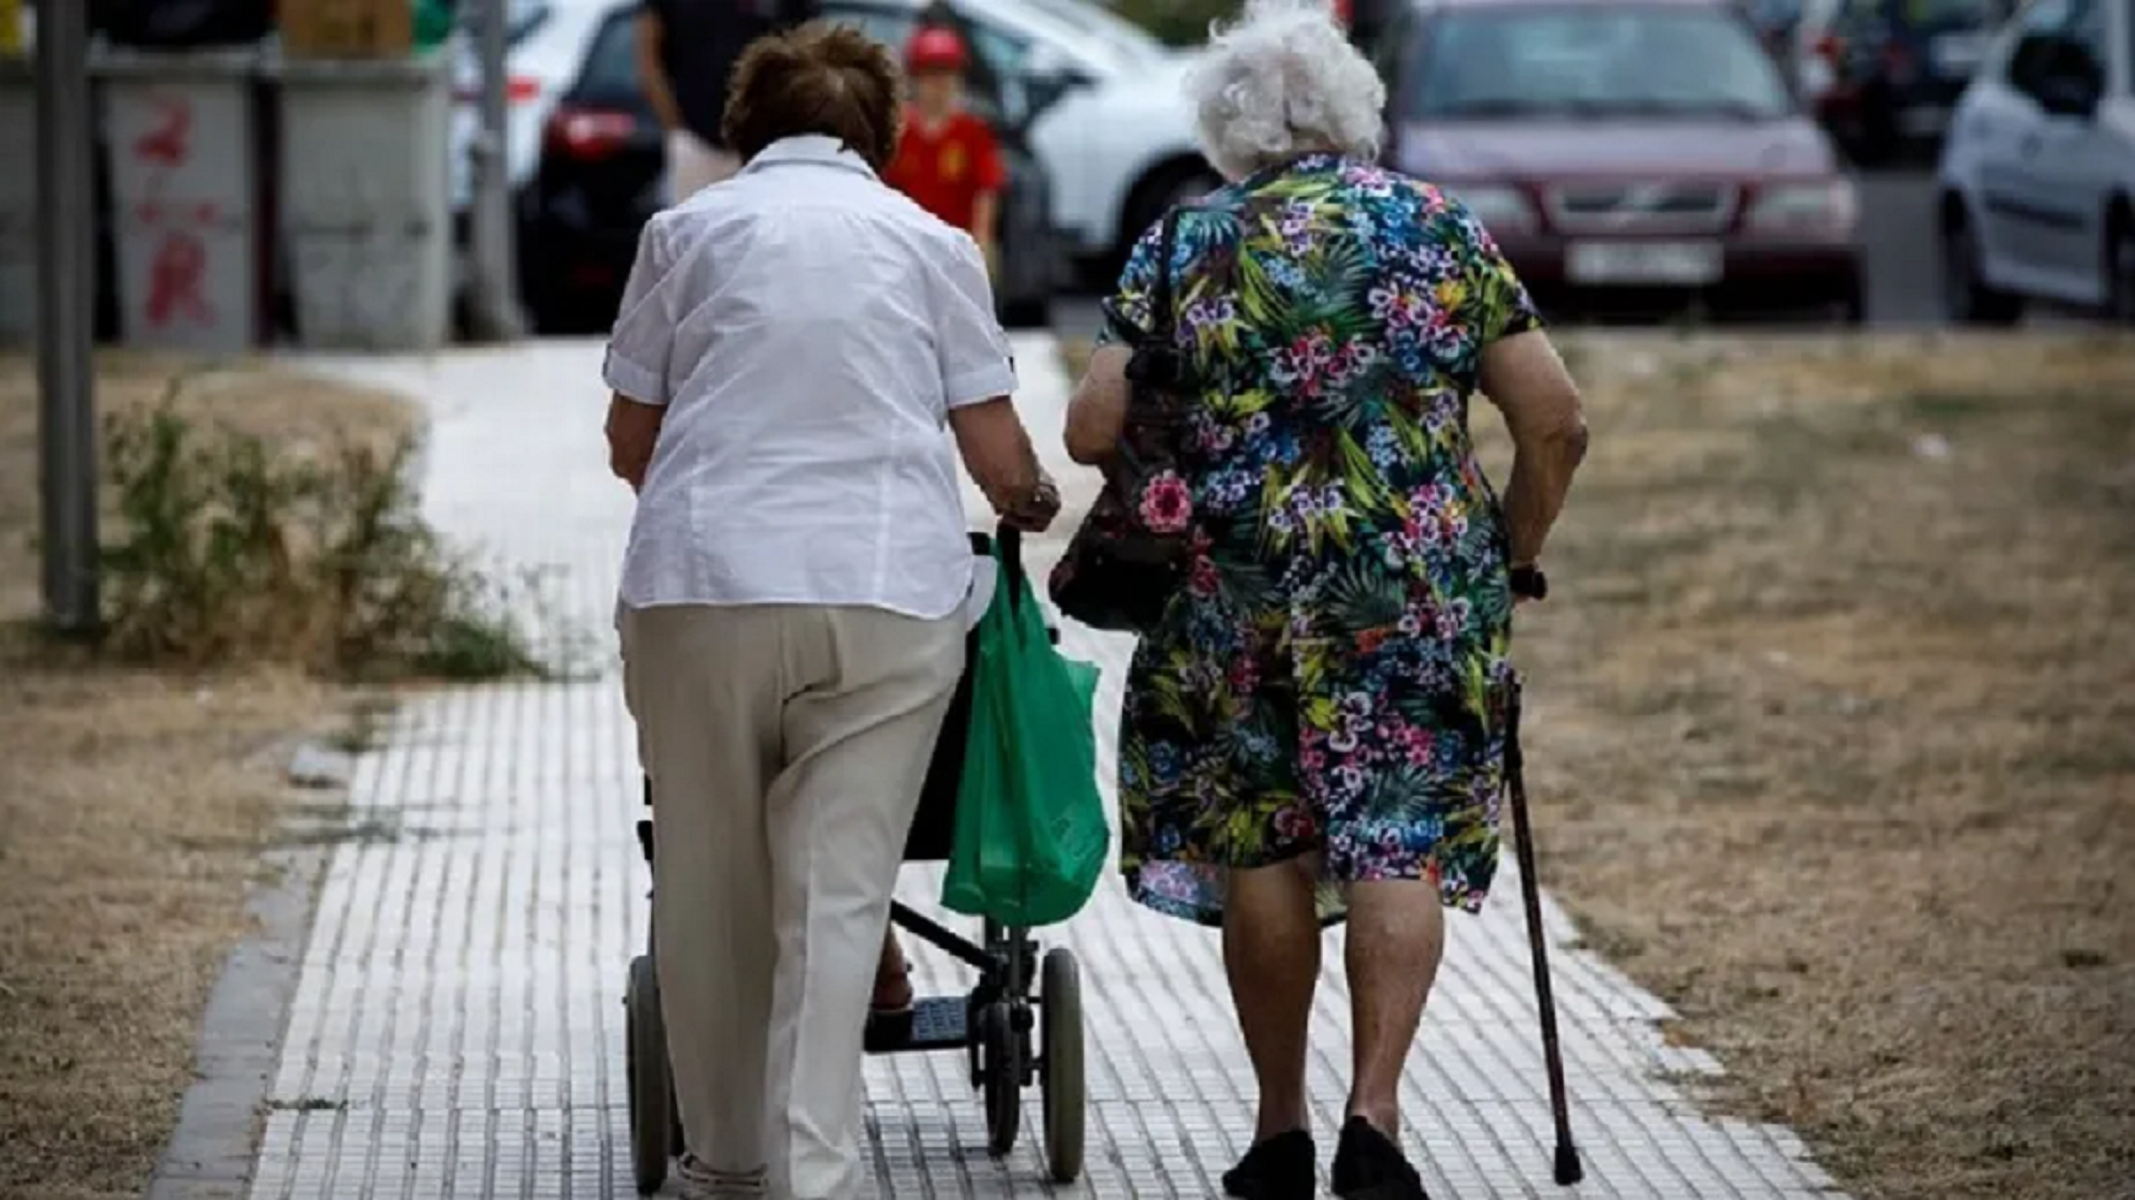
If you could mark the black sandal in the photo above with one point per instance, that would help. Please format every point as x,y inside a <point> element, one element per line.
<point>1283,1167</point>
<point>1368,1165</point>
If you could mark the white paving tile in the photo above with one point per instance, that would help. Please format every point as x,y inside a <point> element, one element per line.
<point>457,1030</point>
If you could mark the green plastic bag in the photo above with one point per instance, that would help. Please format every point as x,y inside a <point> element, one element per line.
<point>1031,839</point>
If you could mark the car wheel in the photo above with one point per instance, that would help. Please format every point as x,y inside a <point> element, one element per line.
<point>1967,297</point>
<point>2120,268</point>
<point>1164,190</point>
<point>1027,312</point>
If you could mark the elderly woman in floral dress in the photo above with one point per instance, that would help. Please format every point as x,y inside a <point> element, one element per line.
<point>1316,727</point>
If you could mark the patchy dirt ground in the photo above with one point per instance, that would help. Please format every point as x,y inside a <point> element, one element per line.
<point>133,806</point>
<point>1832,735</point>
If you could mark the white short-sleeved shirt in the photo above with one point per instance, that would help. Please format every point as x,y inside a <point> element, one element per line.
<point>808,330</point>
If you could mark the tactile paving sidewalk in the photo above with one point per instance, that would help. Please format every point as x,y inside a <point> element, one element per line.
<point>458,1026</point>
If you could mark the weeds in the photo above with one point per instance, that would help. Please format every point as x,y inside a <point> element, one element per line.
<point>232,550</point>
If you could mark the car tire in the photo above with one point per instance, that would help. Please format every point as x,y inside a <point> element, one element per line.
<point>1028,312</point>
<point>2120,267</point>
<point>1967,297</point>
<point>1163,189</point>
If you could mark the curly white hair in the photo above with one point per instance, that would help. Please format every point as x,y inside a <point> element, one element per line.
<point>1280,81</point>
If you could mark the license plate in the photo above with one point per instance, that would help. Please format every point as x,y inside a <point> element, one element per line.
<point>1674,264</point>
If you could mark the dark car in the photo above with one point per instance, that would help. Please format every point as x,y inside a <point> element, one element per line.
<point>601,178</point>
<point>1886,74</point>
<point>1627,155</point>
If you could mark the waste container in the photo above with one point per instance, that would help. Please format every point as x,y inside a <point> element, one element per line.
<point>181,132</point>
<point>365,212</point>
<point>18,201</point>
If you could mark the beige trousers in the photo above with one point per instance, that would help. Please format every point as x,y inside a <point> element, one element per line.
<point>787,747</point>
<point>693,165</point>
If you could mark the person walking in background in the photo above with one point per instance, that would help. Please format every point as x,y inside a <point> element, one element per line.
<point>948,159</point>
<point>686,52</point>
<point>791,347</point>
<point>1316,727</point>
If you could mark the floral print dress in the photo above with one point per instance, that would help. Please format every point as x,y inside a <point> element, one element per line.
<point>1333,678</point>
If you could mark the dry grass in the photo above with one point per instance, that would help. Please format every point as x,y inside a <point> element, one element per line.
<point>133,807</point>
<point>1832,730</point>
<point>1832,727</point>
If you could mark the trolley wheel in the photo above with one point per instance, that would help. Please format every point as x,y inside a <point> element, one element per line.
<point>652,1092</point>
<point>1060,1014</point>
<point>1001,1076</point>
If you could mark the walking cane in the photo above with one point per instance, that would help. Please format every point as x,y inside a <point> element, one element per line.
<point>1568,1169</point>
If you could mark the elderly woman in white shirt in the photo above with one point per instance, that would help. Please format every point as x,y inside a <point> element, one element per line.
<point>791,346</point>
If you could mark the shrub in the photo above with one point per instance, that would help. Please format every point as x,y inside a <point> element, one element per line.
<point>229,551</point>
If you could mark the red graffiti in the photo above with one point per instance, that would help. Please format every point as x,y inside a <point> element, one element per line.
<point>205,212</point>
<point>174,281</point>
<point>149,212</point>
<point>169,143</point>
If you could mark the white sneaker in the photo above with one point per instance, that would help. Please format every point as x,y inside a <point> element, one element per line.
<point>701,1182</point>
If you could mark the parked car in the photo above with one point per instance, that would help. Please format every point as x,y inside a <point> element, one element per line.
<point>1627,155</point>
<point>601,176</point>
<point>1883,75</point>
<point>544,42</point>
<point>2037,177</point>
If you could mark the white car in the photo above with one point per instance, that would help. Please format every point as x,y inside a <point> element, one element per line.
<point>1102,104</point>
<point>2037,178</point>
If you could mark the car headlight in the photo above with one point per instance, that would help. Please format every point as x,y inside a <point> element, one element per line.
<point>1826,206</point>
<point>1501,209</point>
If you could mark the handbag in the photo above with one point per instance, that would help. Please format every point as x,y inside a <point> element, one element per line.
<point>1129,556</point>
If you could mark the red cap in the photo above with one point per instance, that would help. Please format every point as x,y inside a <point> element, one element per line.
<point>934,49</point>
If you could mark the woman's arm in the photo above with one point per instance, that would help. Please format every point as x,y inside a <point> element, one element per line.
<point>1098,412</point>
<point>986,228</point>
<point>633,431</point>
<point>996,450</point>
<point>1523,376</point>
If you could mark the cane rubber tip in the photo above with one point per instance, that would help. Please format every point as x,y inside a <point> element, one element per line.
<point>1569,1170</point>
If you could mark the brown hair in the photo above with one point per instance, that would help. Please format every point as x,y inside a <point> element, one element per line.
<point>821,78</point>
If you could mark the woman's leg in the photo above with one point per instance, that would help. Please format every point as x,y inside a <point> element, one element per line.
<point>893,976</point>
<point>1396,938</point>
<point>859,730</point>
<point>702,684</point>
<point>1271,955</point>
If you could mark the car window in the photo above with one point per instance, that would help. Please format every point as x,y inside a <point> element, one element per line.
<point>610,72</point>
<point>2058,41</point>
<point>1595,61</point>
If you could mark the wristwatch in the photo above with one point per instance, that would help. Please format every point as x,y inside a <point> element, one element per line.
<point>1529,581</point>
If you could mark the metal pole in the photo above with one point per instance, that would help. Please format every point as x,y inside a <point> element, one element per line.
<point>66,288</point>
<point>491,252</point>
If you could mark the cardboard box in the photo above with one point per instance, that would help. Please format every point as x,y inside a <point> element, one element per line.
<point>347,28</point>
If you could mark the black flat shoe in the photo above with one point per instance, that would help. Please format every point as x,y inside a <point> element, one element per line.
<point>1283,1167</point>
<point>1368,1165</point>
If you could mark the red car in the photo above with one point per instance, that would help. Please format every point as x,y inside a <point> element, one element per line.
<point>1628,155</point>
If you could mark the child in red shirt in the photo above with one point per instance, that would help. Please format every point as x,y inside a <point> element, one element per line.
<point>948,161</point>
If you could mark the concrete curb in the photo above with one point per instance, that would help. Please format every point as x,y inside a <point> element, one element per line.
<point>214,1147</point>
<point>212,1151</point>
